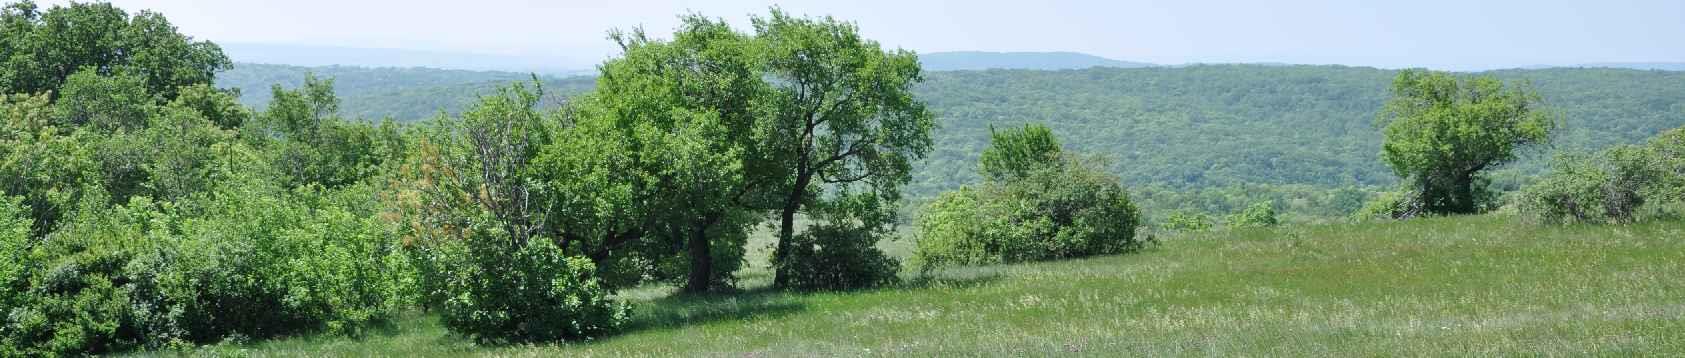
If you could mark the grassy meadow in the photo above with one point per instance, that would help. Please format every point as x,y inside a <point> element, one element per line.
<point>1478,285</point>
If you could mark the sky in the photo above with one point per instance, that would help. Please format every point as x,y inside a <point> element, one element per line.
<point>1444,34</point>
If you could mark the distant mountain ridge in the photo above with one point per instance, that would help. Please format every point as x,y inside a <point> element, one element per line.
<point>1661,66</point>
<point>980,60</point>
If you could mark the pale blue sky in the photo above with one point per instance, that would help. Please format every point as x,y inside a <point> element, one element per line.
<point>1448,34</point>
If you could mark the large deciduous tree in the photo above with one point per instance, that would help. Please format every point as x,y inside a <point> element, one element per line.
<point>1442,132</point>
<point>842,114</point>
<point>676,118</point>
<point>39,50</point>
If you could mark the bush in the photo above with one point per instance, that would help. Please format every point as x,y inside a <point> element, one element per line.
<point>246,260</point>
<point>1058,211</point>
<point>834,257</point>
<point>1390,205</point>
<point>1572,192</point>
<point>1258,215</point>
<point>1182,220</point>
<point>478,219</point>
<point>1609,187</point>
<point>1669,149</point>
<point>529,294</point>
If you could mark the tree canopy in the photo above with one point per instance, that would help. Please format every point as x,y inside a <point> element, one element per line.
<point>1443,132</point>
<point>843,115</point>
<point>44,48</point>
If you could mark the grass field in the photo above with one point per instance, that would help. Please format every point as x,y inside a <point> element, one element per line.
<point>1483,285</point>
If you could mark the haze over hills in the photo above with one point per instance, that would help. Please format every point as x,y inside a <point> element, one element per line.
<point>1659,66</point>
<point>978,60</point>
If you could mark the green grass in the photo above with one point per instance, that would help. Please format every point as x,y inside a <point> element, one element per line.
<point>1482,285</point>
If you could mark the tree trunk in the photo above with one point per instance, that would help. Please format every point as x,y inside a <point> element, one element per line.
<point>1462,195</point>
<point>787,227</point>
<point>701,259</point>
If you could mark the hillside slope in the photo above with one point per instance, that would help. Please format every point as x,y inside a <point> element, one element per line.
<point>1478,285</point>
<point>1203,126</point>
<point>1221,125</point>
<point>406,94</point>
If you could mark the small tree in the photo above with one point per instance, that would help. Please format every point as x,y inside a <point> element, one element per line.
<point>481,222</point>
<point>672,123</point>
<point>842,114</point>
<point>1443,132</point>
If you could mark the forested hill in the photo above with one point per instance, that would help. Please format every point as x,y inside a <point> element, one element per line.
<point>406,94</point>
<point>1185,127</point>
<point>1220,125</point>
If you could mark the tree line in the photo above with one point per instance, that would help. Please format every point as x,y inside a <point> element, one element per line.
<point>147,209</point>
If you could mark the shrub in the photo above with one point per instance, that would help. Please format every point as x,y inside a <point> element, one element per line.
<point>1669,149</point>
<point>1261,214</point>
<point>1390,205</point>
<point>245,260</point>
<point>74,297</point>
<point>1609,187</point>
<point>1182,220</point>
<point>478,218</point>
<point>1058,211</point>
<point>529,294</point>
<point>835,257</point>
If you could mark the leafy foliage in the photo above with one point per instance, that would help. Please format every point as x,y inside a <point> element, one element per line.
<point>152,214</point>
<point>104,103</point>
<point>1257,215</point>
<point>241,263</point>
<point>14,245</point>
<point>525,294</point>
<point>671,125</point>
<point>1057,211</point>
<point>838,257</point>
<point>1669,149</point>
<point>1014,153</point>
<point>1611,186</point>
<point>843,118</point>
<point>44,48</point>
<point>1442,133</point>
<point>480,219</point>
<point>1184,220</point>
